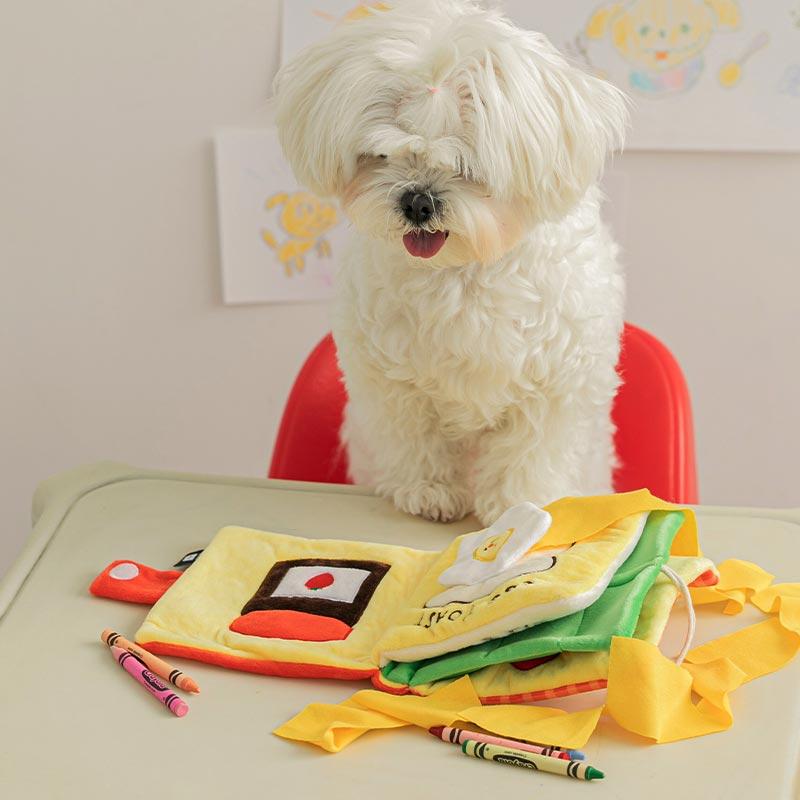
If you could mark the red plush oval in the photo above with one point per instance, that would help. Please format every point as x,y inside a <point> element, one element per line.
<point>321,581</point>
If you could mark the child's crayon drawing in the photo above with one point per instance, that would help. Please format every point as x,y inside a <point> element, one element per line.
<point>278,241</point>
<point>356,12</point>
<point>304,219</point>
<point>731,72</point>
<point>702,74</point>
<point>664,42</point>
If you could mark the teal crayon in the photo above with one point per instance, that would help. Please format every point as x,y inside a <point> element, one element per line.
<point>535,761</point>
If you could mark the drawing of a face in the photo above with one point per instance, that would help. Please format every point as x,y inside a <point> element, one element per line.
<point>657,37</point>
<point>306,216</point>
<point>490,548</point>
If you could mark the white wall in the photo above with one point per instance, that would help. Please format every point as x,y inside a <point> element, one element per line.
<point>114,343</point>
<point>712,246</point>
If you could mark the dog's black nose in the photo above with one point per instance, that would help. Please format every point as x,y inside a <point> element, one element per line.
<point>417,207</point>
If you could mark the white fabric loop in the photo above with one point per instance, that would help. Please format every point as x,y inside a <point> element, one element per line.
<point>684,590</point>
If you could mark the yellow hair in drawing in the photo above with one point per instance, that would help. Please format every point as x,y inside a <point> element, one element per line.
<point>305,218</point>
<point>364,10</point>
<point>663,40</point>
<point>361,11</point>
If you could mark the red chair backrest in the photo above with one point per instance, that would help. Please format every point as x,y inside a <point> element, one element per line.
<point>653,415</point>
<point>652,412</point>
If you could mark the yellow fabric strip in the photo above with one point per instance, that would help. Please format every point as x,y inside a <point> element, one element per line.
<point>738,582</point>
<point>783,599</point>
<point>713,681</point>
<point>333,727</point>
<point>737,574</point>
<point>789,614</point>
<point>576,518</point>
<point>652,696</point>
<point>756,650</point>
<point>439,708</point>
<point>648,694</point>
<point>536,723</point>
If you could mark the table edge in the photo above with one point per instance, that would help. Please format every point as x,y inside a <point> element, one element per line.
<point>55,496</point>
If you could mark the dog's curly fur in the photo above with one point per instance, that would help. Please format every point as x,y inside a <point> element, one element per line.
<point>482,375</point>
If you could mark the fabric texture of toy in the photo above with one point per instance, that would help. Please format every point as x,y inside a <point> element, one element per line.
<point>544,603</point>
<point>538,583</point>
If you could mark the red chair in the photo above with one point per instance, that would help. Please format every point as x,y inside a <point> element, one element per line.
<point>652,412</point>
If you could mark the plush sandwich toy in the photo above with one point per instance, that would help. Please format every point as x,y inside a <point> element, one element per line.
<point>510,604</point>
<point>544,603</point>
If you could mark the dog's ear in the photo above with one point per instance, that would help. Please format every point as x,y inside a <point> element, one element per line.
<point>306,94</point>
<point>325,96</point>
<point>560,123</point>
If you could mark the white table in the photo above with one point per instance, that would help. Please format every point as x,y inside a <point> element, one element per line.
<point>72,726</point>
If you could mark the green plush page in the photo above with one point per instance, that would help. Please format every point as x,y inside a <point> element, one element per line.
<point>614,613</point>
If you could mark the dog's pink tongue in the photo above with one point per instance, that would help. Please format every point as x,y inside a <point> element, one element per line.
<point>423,244</point>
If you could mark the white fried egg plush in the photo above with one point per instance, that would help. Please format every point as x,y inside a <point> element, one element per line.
<point>496,552</point>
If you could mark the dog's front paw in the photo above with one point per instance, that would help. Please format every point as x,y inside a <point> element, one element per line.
<point>439,502</point>
<point>489,507</point>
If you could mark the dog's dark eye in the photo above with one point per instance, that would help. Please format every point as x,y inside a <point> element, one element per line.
<point>381,155</point>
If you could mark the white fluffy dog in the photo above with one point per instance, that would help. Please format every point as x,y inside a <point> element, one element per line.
<point>479,307</point>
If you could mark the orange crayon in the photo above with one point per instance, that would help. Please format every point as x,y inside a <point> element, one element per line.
<point>155,664</point>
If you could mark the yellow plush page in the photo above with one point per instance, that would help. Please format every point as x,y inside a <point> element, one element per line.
<point>543,585</point>
<point>276,604</point>
<point>565,569</point>
<point>286,605</point>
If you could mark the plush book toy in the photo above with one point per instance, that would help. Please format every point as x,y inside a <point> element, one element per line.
<point>527,607</point>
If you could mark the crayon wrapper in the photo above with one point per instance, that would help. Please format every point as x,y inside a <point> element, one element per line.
<point>522,758</point>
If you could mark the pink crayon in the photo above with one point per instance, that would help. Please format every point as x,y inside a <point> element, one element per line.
<point>160,691</point>
<point>459,736</point>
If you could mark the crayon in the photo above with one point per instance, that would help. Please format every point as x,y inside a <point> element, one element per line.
<point>535,761</point>
<point>159,690</point>
<point>459,735</point>
<point>153,663</point>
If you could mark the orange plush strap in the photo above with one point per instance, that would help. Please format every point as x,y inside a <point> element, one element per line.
<point>133,582</point>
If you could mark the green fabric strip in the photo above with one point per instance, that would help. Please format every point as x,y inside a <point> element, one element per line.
<point>614,613</point>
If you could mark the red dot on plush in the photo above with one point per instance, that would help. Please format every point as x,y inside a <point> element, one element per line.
<point>321,581</point>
